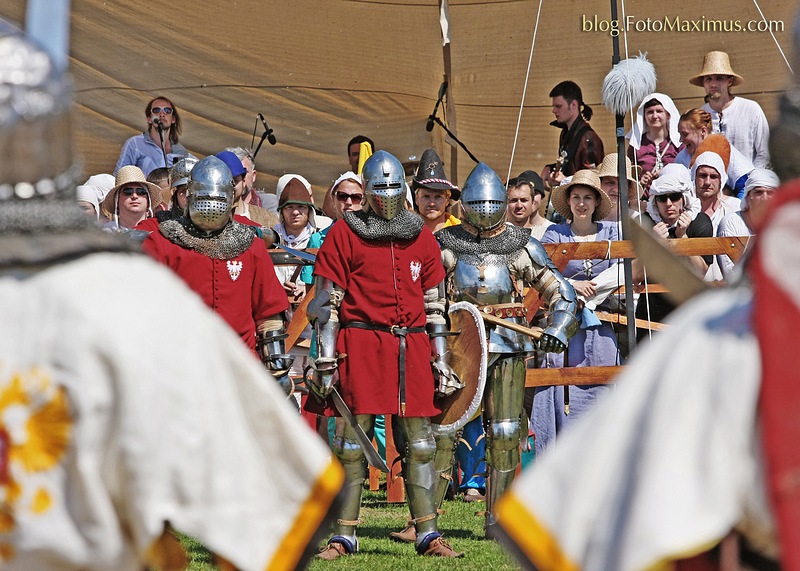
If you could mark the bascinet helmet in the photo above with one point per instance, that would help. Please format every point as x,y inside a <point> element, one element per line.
<point>180,171</point>
<point>384,184</point>
<point>209,198</point>
<point>484,198</point>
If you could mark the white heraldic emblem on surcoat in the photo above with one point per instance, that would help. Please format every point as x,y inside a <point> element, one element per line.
<point>234,269</point>
<point>416,268</point>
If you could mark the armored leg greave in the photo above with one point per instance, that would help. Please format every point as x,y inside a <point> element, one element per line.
<point>443,463</point>
<point>415,443</point>
<point>348,451</point>
<point>503,403</point>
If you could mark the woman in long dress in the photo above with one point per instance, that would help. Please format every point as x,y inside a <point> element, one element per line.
<point>584,204</point>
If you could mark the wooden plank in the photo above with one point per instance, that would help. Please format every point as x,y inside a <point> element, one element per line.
<point>735,246</point>
<point>374,479</point>
<point>395,485</point>
<point>571,376</point>
<point>623,320</point>
<point>650,288</point>
<point>562,253</point>
<point>299,320</point>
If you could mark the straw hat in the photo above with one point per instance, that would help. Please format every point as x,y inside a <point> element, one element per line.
<point>716,63</point>
<point>609,167</point>
<point>127,175</point>
<point>586,177</point>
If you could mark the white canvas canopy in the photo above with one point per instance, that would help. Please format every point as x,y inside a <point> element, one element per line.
<point>322,71</point>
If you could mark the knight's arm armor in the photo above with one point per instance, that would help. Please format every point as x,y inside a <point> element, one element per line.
<point>436,326</point>
<point>323,313</point>
<point>540,273</point>
<point>271,336</point>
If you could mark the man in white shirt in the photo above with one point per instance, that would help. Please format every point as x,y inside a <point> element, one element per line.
<point>741,120</point>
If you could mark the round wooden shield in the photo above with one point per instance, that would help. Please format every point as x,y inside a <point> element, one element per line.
<point>468,354</point>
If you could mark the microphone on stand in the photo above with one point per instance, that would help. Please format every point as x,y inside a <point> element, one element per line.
<point>160,127</point>
<point>429,126</point>
<point>266,135</point>
<point>432,116</point>
<point>267,131</point>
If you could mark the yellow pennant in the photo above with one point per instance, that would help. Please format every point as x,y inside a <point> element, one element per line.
<point>364,152</point>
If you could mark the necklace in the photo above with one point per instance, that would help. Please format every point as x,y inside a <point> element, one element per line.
<point>659,156</point>
<point>587,264</point>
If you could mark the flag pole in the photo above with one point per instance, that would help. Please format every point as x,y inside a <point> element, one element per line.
<point>623,199</point>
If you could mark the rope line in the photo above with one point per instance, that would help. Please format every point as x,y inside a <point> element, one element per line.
<point>639,190</point>
<point>524,91</point>
<point>774,39</point>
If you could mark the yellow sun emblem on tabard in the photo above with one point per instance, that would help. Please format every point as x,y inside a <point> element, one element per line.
<point>35,427</point>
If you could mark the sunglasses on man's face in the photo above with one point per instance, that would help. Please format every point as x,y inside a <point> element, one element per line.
<point>157,110</point>
<point>674,197</point>
<point>131,191</point>
<point>343,196</point>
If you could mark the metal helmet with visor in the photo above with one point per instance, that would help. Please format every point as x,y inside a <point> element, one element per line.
<point>384,184</point>
<point>484,198</point>
<point>209,198</point>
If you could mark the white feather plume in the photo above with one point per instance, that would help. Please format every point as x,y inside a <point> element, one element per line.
<point>628,83</point>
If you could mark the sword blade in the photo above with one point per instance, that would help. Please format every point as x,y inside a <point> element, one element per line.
<point>372,455</point>
<point>304,256</point>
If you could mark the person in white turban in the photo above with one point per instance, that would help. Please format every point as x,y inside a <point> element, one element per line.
<point>760,189</point>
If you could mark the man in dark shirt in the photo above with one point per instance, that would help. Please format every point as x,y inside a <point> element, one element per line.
<point>579,147</point>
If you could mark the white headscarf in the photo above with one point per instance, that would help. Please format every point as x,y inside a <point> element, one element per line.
<point>759,178</point>
<point>673,178</point>
<point>349,175</point>
<point>639,128</point>
<point>101,184</point>
<point>713,160</point>
<point>88,194</point>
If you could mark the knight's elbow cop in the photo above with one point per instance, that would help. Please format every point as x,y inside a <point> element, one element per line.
<point>323,312</point>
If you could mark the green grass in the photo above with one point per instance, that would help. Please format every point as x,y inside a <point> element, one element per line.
<point>459,524</point>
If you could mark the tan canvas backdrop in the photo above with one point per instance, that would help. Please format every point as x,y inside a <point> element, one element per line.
<point>322,71</point>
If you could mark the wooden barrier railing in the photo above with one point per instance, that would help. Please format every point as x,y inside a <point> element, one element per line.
<point>561,254</point>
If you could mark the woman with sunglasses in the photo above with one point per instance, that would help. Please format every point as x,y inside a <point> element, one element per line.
<point>158,146</point>
<point>675,213</point>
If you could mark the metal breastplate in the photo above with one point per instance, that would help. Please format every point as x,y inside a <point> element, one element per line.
<point>484,279</point>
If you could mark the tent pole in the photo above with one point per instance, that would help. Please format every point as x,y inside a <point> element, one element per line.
<point>450,111</point>
<point>450,106</point>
